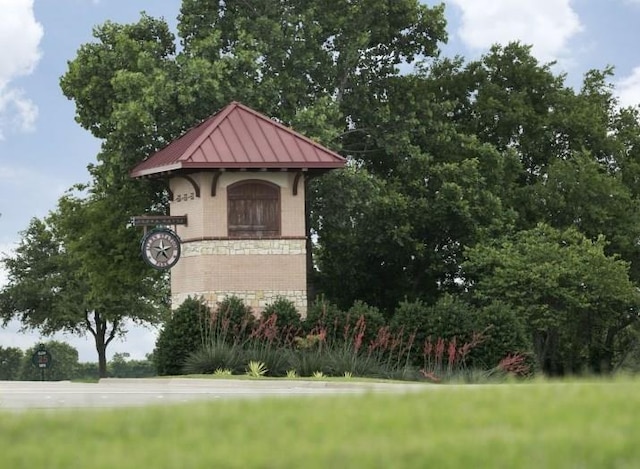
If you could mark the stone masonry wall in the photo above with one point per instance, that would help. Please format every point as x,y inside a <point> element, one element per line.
<point>235,247</point>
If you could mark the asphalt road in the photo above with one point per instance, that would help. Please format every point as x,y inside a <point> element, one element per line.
<point>110,393</point>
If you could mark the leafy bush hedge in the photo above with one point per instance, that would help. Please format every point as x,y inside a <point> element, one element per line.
<point>339,325</point>
<point>323,313</point>
<point>181,335</point>
<point>495,329</point>
<point>423,341</point>
<point>287,316</point>
<point>506,335</point>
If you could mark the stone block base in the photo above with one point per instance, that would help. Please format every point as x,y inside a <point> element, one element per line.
<point>257,300</point>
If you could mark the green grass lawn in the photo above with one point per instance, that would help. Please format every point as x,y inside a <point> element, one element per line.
<point>535,425</point>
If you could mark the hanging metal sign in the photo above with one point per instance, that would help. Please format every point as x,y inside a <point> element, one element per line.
<point>161,248</point>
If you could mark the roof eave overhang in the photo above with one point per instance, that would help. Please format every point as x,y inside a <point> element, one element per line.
<point>168,170</point>
<point>155,171</point>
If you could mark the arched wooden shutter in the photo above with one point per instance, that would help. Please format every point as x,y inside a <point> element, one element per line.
<point>253,209</point>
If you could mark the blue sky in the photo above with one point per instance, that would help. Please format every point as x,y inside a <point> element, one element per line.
<point>43,151</point>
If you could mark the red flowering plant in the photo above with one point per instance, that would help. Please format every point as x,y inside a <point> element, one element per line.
<point>444,358</point>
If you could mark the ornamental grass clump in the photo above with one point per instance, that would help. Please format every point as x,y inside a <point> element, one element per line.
<point>213,357</point>
<point>349,352</point>
<point>231,322</point>
<point>347,355</point>
<point>515,365</point>
<point>444,359</point>
<point>271,344</point>
<point>310,353</point>
<point>393,349</point>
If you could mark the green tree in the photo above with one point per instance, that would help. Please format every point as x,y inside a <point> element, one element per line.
<point>123,86</point>
<point>10,363</point>
<point>576,301</point>
<point>364,238</point>
<point>401,235</point>
<point>79,271</point>
<point>577,151</point>
<point>64,362</point>
<point>579,192</point>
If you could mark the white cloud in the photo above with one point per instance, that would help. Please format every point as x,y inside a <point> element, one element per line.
<point>22,178</point>
<point>547,25</point>
<point>20,36</point>
<point>17,175</point>
<point>628,88</point>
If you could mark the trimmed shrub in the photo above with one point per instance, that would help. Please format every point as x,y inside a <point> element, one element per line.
<point>373,319</point>
<point>324,314</point>
<point>182,334</point>
<point>287,316</point>
<point>410,317</point>
<point>232,321</point>
<point>506,335</point>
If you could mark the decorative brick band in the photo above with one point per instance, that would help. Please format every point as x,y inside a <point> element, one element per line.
<point>231,247</point>
<point>257,300</point>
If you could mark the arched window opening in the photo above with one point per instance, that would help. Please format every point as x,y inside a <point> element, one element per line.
<point>253,209</point>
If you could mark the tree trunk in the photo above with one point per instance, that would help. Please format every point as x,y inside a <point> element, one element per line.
<point>101,346</point>
<point>102,359</point>
<point>606,355</point>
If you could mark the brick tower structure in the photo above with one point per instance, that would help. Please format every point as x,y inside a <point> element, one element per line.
<point>239,178</point>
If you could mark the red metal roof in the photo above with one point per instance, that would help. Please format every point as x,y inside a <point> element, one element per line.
<point>237,137</point>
